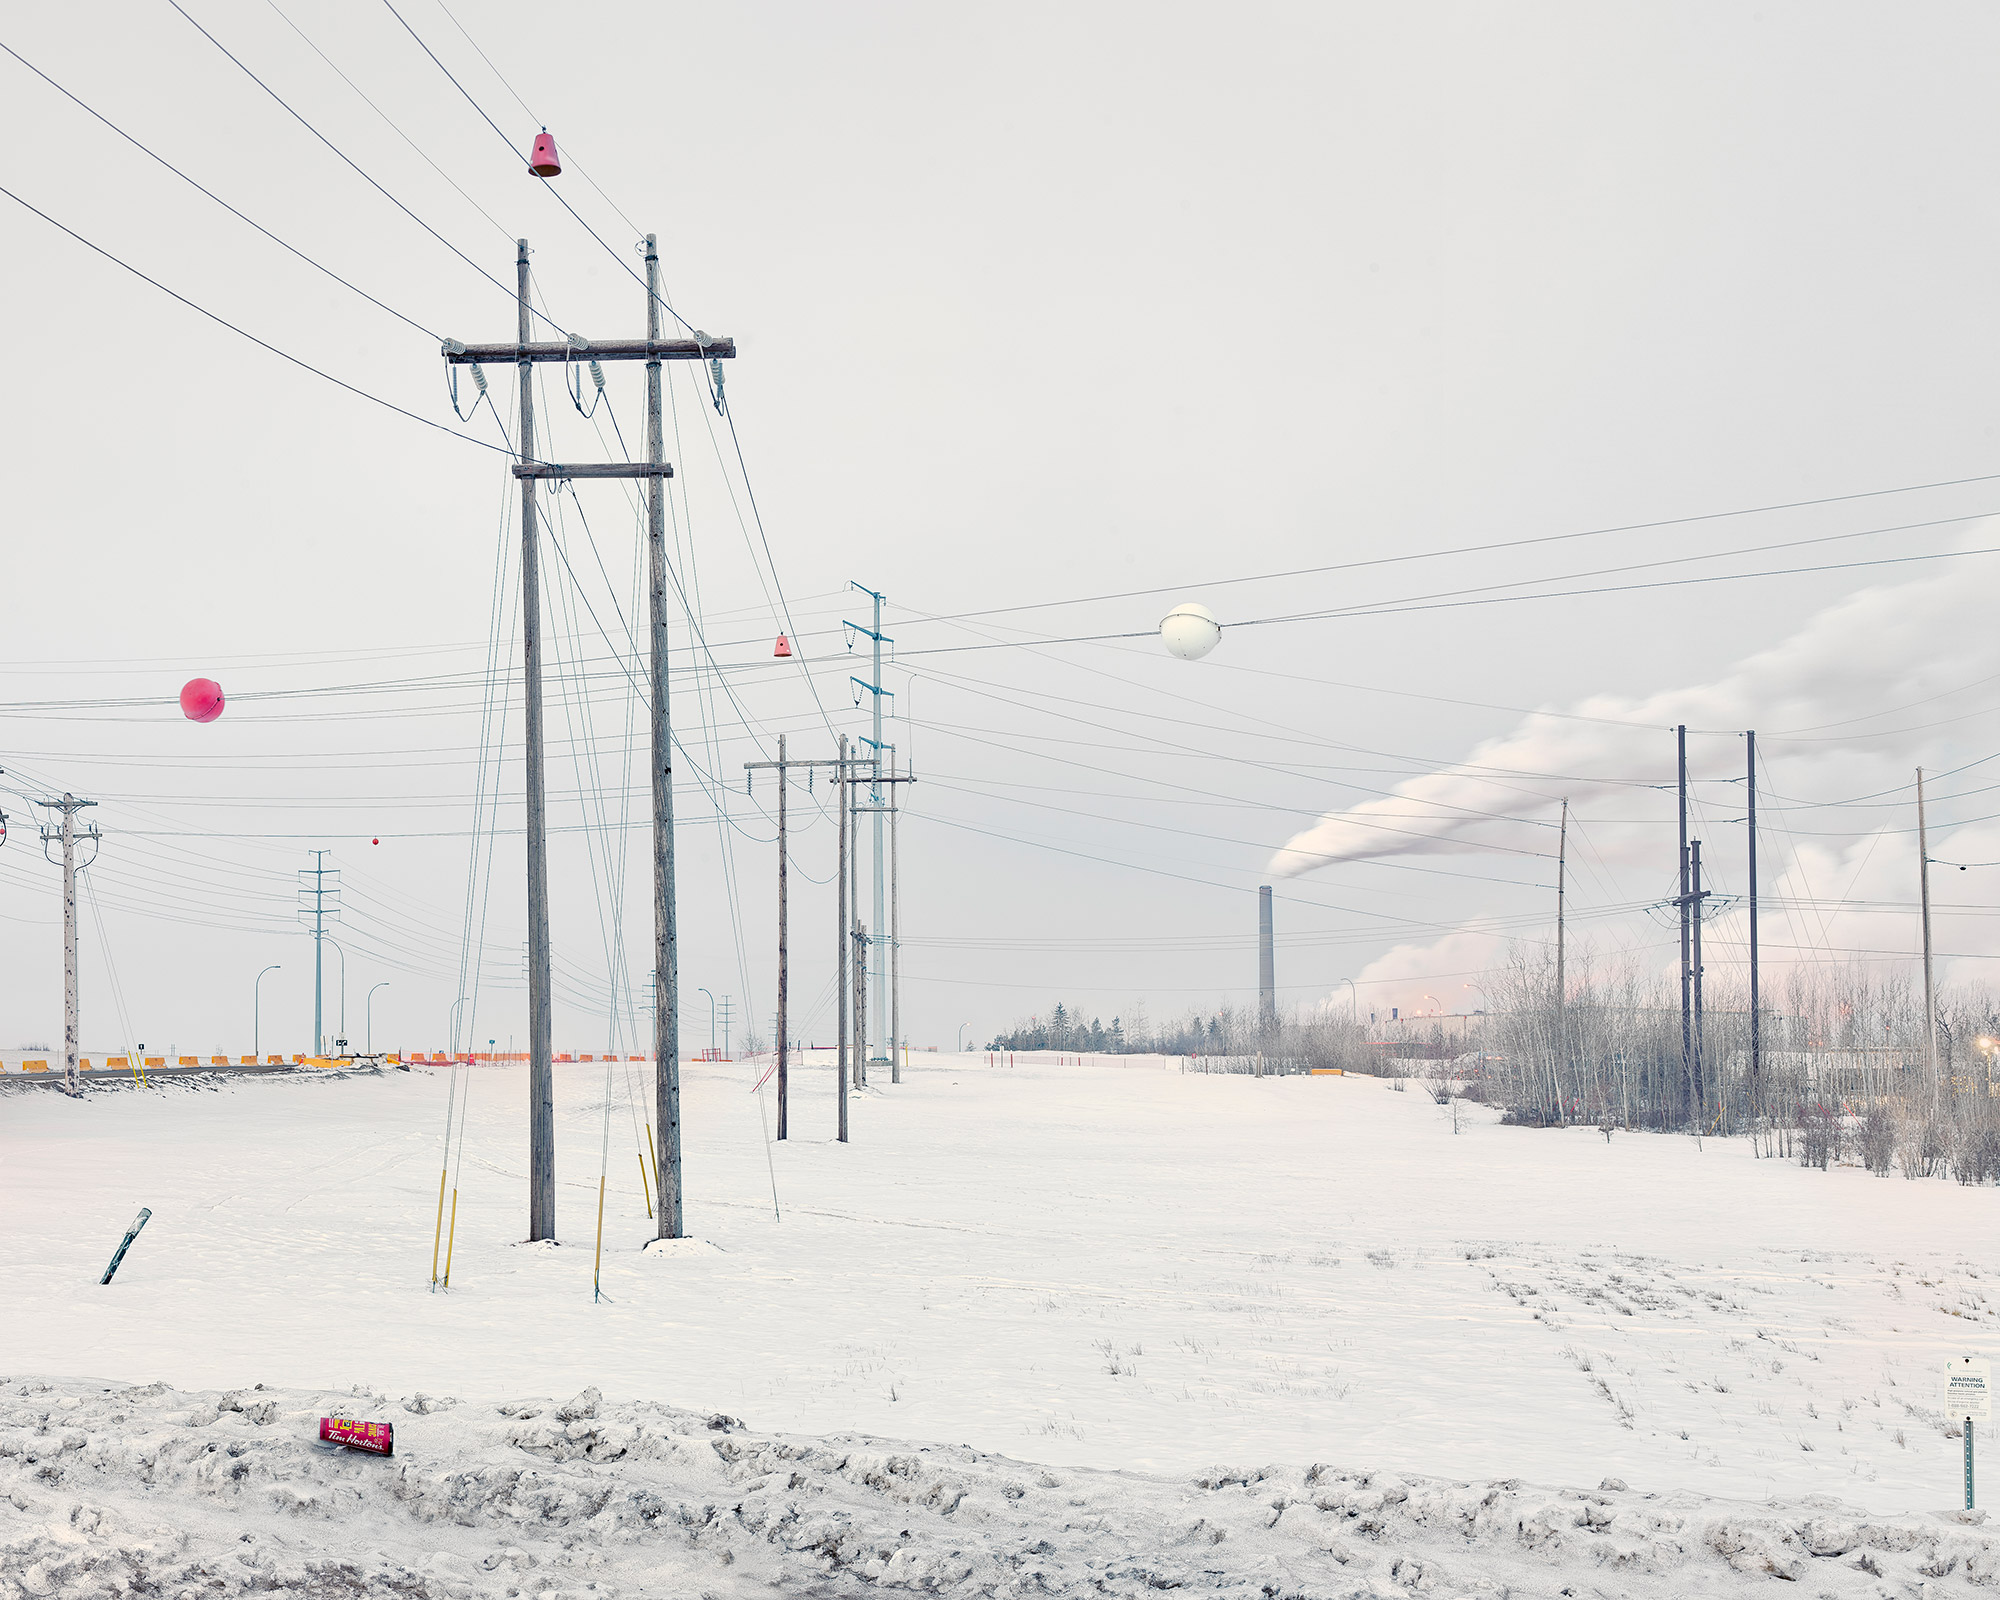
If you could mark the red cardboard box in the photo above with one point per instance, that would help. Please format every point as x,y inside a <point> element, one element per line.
<point>378,1437</point>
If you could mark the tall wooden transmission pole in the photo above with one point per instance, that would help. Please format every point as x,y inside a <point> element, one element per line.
<point>783,766</point>
<point>840,941</point>
<point>1267,974</point>
<point>1562,898</point>
<point>1681,900</point>
<point>1930,992</point>
<point>666,978</point>
<point>784,906</point>
<point>1756,1012</point>
<point>666,945</point>
<point>1695,897</point>
<point>541,1008</point>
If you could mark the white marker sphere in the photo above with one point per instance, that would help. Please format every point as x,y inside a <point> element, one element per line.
<point>1189,631</point>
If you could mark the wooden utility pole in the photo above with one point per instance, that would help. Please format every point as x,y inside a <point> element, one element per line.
<point>1756,1012</point>
<point>1695,898</point>
<point>1267,973</point>
<point>666,980</point>
<point>860,1000</point>
<point>860,1020</point>
<point>1930,992</point>
<point>782,766</point>
<point>784,907</point>
<point>840,941</point>
<point>1681,900</point>
<point>666,947</point>
<point>69,806</point>
<point>1562,987</point>
<point>541,1007</point>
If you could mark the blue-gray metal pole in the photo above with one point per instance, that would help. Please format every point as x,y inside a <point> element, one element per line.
<point>711,1018</point>
<point>256,1013</point>
<point>319,933</point>
<point>878,928</point>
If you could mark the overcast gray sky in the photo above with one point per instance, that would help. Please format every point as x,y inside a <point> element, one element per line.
<point>1033,304</point>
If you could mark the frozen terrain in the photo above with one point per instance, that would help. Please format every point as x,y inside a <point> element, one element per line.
<point>1300,1313</point>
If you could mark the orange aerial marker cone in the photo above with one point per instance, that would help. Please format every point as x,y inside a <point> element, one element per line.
<point>543,162</point>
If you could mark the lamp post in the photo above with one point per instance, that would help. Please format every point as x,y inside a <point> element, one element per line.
<point>1484,1006</point>
<point>256,1012</point>
<point>370,1010</point>
<point>711,1021</point>
<point>961,1038</point>
<point>452,1024</point>
<point>1353,1002</point>
<point>343,989</point>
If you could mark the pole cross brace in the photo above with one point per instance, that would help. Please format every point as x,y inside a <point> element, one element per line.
<point>460,355</point>
<point>593,469</point>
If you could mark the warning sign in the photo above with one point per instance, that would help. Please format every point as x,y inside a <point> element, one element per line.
<point>1968,1389</point>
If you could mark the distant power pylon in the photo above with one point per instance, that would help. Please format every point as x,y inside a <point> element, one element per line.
<point>69,806</point>
<point>319,899</point>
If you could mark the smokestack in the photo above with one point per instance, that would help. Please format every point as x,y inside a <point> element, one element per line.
<point>1267,982</point>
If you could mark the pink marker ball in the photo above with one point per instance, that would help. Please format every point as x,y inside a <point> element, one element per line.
<point>201,699</point>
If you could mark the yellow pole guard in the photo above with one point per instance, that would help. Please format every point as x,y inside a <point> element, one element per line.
<point>437,1233</point>
<point>450,1238</point>
<point>597,1266</point>
<point>653,1150</point>
<point>642,1181</point>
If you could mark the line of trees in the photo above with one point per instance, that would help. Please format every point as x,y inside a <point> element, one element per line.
<point>1316,1039</point>
<point>1841,1072</point>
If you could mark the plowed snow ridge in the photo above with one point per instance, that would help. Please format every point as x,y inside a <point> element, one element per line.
<point>111,1491</point>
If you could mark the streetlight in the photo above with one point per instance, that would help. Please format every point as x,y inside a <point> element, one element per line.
<point>961,1038</point>
<point>1485,1006</point>
<point>451,1026</point>
<point>343,990</point>
<point>256,1012</point>
<point>711,1020</point>
<point>370,1008</point>
<point>1353,1002</point>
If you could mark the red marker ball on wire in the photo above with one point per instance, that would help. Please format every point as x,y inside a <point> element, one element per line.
<point>201,700</point>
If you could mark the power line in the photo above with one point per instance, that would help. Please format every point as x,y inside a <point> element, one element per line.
<point>262,344</point>
<point>509,143</point>
<point>361,172</point>
<point>1470,549</point>
<point>372,106</point>
<point>226,206</point>
<point>1396,608</point>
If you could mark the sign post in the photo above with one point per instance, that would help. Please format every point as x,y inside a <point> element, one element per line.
<point>1968,1395</point>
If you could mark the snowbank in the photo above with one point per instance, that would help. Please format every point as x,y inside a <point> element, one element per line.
<point>112,1491</point>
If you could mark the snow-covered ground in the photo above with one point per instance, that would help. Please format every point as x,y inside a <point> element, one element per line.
<point>1124,1274</point>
